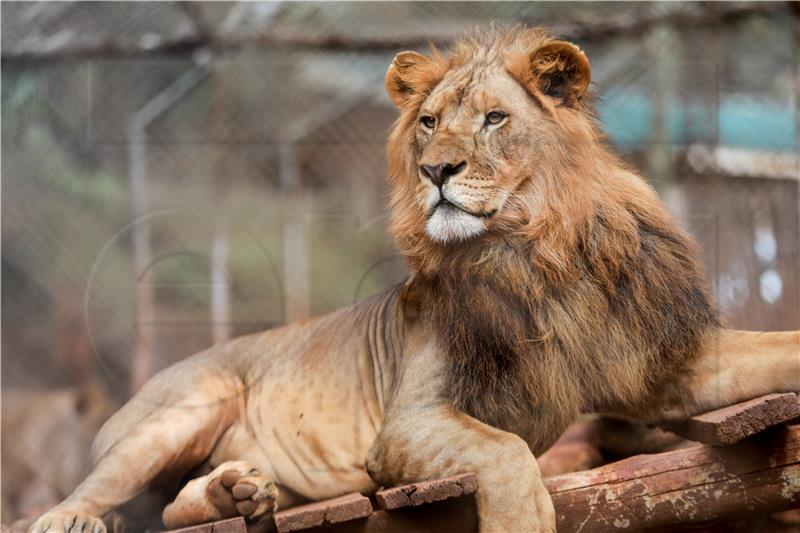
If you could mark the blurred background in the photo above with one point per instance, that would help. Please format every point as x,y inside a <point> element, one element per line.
<point>175,174</point>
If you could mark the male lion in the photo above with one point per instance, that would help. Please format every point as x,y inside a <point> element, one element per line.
<point>548,280</point>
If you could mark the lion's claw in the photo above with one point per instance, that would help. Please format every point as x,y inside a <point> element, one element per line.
<point>62,521</point>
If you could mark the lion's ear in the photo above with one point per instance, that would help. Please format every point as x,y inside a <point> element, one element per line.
<point>404,76</point>
<point>559,69</point>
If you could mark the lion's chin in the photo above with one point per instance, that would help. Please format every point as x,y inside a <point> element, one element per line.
<point>450,224</point>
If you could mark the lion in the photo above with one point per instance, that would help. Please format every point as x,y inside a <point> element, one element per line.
<point>547,280</point>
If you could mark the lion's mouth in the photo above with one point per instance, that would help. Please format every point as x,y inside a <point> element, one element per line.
<point>448,204</point>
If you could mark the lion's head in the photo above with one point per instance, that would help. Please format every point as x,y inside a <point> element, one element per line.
<point>484,135</point>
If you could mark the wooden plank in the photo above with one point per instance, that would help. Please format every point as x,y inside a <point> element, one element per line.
<point>736,422</point>
<point>424,492</point>
<point>231,525</point>
<point>342,509</point>
<point>454,515</point>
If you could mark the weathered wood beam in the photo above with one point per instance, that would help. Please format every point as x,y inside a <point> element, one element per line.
<point>736,422</point>
<point>231,525</point>
<point>324,513</point>
<point>691,486</point>
<point>425,492</point>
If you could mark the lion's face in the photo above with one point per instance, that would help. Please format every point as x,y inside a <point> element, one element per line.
<point>475,127</point>
<point>472,134</point>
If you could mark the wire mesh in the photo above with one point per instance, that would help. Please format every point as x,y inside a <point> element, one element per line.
<point>276,145</point>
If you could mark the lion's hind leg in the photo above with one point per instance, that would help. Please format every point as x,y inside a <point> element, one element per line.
<point>235,488</point>
<point>166,443</point>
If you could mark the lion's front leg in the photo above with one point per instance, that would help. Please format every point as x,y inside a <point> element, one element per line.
<point>732,366</point>
<point>430,442</point>
<point>738,365</point>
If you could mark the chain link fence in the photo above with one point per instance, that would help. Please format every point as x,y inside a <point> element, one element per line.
<point>177,174</point>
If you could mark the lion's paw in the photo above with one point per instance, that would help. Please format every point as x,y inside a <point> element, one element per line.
<point>63,521</point>
<point>247,493</point>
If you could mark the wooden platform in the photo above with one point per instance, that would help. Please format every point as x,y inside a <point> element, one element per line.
<point>748,464</point>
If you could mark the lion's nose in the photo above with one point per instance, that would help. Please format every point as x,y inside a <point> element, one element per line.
<point>439,174</point>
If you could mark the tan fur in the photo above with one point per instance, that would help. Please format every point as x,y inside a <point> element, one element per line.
<point>552,283</point>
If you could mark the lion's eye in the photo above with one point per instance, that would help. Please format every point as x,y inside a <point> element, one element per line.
<point>495,117</point>
<point>428,121</point>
